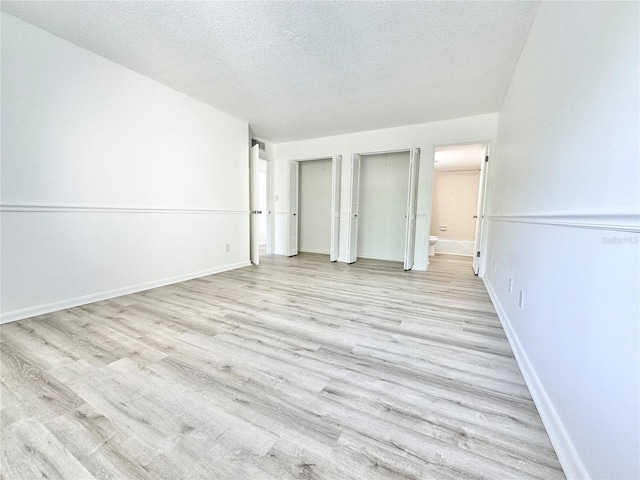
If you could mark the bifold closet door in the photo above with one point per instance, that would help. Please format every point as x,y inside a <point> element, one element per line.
<point>336,180</point>
<point>352,247</point>
<point>412,209</point>
<point>292,243</point>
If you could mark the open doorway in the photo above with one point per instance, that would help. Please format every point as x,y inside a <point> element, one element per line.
<point>260,202</point>
<point>457,205</point>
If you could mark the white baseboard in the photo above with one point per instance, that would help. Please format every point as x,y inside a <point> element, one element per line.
<point>96,297</point>
<point>567,454</point>
<point>455,247</point>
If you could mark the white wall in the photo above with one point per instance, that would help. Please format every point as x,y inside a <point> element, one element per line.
<point>382,208</point>
<point>314,212</point>
<point>425,136</point>
<point>564,225</point>
<point>111,182</point>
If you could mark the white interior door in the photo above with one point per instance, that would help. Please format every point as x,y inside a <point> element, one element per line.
<point>269,211</point>
<point>412,209</point>
<point>480,212</point>
<point>254,204</point>
<point>336,179</point>
<point>292,244</point>
<point>352,246</point>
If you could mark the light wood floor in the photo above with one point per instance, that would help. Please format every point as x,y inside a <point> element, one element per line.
<point>299,368</point>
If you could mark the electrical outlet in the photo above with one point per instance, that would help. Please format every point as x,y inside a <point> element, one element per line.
<point>227,247</point>
<point>510,284</point>
<point>495,266</point>
<point>521,302</point>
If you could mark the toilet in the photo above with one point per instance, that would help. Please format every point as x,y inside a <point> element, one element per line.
<point>433,239</point>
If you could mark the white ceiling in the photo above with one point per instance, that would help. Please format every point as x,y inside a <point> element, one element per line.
<point>459,157</point>
<point>297,70</point>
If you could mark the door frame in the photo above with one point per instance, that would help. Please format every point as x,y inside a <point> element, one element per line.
<point>334,159</point>
<point>488,141</point>
<point>270,206</point>
<point>254,253</point>
<point>352,255</point>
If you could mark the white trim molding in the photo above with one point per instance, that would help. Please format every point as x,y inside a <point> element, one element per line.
<point>59,208</point>
<point>623,219</point>
<point>118,292</point>
<point>568,456</point>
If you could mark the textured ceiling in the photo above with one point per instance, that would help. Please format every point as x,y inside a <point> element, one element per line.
<point>459,157</point>
<point>297,70</point>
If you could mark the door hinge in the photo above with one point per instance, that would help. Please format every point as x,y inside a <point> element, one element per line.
<point>478,255</point>
<point>486,159</point>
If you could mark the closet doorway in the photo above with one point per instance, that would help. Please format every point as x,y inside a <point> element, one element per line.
<point>383,205</point>
<point>314,206</point>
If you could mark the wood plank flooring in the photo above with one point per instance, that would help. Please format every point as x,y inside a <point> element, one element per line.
<point>296,369</point>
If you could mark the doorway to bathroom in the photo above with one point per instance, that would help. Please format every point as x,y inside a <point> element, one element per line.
<point>458,200</point>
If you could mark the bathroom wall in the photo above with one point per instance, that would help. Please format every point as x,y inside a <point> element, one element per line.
<point>314,209</point>
<point>455,203</point>
<point>382,209</point>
